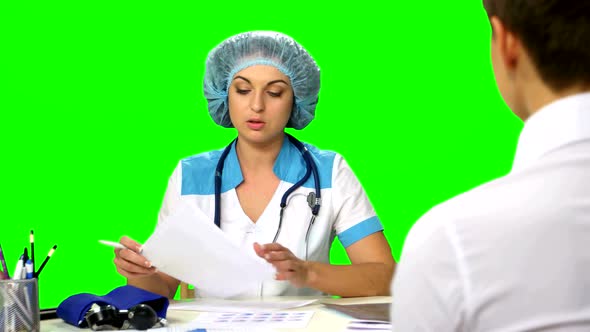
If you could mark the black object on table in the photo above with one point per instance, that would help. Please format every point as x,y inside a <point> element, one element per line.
<point>48,313</point>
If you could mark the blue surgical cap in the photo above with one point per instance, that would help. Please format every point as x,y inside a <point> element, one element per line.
<point>262,48</point>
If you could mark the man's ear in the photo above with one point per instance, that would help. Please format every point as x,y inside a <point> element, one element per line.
<point>507,43</point>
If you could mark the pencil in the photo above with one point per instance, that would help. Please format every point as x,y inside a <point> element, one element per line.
<point>45,261</point>
<point>32,240</point>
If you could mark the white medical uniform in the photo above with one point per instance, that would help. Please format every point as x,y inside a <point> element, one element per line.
<point>345,212</point>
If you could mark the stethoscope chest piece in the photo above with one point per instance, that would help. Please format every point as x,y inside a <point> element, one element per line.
<point>311,199</point>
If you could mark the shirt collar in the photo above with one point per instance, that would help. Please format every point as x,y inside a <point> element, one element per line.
<point>561,122</point>
<point>289,166</point>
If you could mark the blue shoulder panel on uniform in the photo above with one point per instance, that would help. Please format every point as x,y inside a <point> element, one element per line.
<point>360,231</point>
<point>325,163</point>
<point>198,173</point>
<point>290,165</point>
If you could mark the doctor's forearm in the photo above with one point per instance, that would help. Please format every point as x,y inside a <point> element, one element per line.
<point>364,279</point>
<point>153,283</point>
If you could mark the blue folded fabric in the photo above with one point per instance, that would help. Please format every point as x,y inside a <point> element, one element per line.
<point>73,309</point>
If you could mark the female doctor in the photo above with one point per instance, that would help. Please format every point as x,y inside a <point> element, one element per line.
<point>282,199</point>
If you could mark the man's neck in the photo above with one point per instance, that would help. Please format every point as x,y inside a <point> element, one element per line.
<point>540,95</point>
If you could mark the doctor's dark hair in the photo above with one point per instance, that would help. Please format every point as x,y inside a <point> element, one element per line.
<point>556,34</point>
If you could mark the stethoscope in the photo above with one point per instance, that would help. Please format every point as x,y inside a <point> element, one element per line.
<point>314,200</point>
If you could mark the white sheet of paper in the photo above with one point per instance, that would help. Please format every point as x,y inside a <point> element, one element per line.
<point>194,328</point>
<point>188,246</point>
<point>217,305</point>
<point>270,319</point>
<point>368,325</point>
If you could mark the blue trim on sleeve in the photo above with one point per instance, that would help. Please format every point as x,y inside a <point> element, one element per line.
<point>360,231</point>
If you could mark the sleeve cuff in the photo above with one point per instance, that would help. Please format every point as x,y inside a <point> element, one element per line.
<point>360,231</point>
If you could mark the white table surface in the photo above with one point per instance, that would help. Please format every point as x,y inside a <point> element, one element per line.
<point>323,320</point>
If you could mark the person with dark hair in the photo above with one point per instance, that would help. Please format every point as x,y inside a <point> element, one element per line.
<point>512,254</point>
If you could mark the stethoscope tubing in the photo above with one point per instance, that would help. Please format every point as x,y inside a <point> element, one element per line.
<point>314,201</point>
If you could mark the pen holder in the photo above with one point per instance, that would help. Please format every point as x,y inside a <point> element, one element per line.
<point>19,305</point>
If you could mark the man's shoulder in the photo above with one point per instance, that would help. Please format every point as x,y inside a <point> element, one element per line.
<point>490,202</point>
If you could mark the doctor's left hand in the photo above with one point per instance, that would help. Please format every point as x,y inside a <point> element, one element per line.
<point>288,266</point>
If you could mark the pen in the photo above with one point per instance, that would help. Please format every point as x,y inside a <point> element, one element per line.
<point>112,244</point>
<point>29,269</point>
<point>18,271</point>
<point>45,261</point>
<point>32,240</point>
<point>25,256</point>
<point>23,271</point>
<point>3,262</point>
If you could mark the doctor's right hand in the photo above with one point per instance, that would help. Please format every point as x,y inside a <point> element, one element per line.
<point>130,262</point>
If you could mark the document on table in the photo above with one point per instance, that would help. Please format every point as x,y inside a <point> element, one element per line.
<point>271,319</point>
<point>368,325</point>
<point>365,311</point>
<point>217,305</point>
<point>188,246</point>
<point>187,328</point>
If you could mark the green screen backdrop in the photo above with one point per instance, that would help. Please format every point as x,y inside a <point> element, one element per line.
<point>100,100</point>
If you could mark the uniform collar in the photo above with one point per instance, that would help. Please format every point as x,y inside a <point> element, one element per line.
<point>289,166</point>
<point>561,122</point>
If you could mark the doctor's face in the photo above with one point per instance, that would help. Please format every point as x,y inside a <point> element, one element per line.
<point>260,103</point>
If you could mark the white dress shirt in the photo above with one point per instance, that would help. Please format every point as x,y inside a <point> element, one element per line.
<point>512,254</point>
